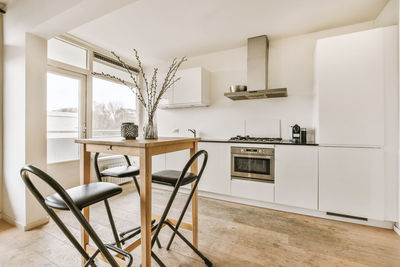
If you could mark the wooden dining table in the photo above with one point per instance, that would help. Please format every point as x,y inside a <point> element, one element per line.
<point>145,149</point>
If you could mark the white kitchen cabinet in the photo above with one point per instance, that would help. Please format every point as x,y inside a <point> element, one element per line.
<point>216,177</point>
<point>254,190</point>
<point>350,87</point>
<point>177,160</point>
<point>158,163</point>
<point>192,90</point>
<point>296,176</point>
<point>351,181</point>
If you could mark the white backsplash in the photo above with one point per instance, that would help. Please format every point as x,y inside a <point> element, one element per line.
<point>254,128</point>
<point>262,128</point>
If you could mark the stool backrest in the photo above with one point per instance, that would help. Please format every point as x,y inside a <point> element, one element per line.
<point>175,191</point>
<point>72,207</point>
<point>190,163</point>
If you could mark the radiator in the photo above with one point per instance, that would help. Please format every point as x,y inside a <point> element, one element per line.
<point>110,162</point>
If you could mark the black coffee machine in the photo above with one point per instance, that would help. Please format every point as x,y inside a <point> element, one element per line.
<point>299,135</point>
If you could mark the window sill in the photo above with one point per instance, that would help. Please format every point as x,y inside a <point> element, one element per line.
<point>62,161</point>
<point>101,158</point>
<point>110,157</point>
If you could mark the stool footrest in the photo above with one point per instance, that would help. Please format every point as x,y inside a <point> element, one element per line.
<point>184,225</point>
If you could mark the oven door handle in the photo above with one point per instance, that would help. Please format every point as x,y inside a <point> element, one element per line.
<point>252,156</point>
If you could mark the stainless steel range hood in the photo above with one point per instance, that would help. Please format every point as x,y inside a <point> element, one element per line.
<point>257,72</point>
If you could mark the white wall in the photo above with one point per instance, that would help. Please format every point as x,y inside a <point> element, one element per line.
<point>24,125</point>
<point>14,132</point>
<point>35,118</point>
<point>291,62</point>
<point>1,110</point>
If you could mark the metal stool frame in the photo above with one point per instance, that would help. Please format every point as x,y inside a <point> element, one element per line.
<point>135,230</point>
<point>103,248</point>
<point>178,184</point>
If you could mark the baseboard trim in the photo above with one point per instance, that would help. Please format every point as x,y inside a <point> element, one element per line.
<point>302,211</point>
<point>396,229</point>
<point>280,207</point>
<point>12,221</point>
<point>37,223</point>
<point>22,226</point>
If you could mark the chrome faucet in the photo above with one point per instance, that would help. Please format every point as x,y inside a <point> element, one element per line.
<point>193,131</point>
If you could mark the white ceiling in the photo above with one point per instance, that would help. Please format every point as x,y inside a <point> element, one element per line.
<point>162,29</point>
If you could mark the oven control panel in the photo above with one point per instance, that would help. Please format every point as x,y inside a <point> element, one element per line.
<point>252,150</point>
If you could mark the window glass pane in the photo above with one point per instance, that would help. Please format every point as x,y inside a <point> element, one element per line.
<point>113,104</point>
<point>62,117</point>
<point>66,53</point>
<point>99,67</point>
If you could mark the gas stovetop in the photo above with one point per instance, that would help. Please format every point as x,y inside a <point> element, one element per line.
<point>249,139</point>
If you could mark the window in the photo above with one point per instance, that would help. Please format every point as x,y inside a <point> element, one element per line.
<point>67,53</point>
<point>113,104</point>
<point>73,103</point>
<point>63,96</point>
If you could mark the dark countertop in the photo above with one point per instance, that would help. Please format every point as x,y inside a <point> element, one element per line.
<point>283,142</point>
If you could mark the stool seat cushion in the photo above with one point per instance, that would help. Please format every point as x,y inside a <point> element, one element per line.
<point>84,195</point>
<point>170,177</point>
<point>121,172</point>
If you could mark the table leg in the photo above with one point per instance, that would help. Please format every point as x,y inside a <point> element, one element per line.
<point>84,179</point>
<point>195,203</point>
<point>145,205</point>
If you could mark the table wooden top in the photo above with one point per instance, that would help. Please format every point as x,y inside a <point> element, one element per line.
<point>119,141</point>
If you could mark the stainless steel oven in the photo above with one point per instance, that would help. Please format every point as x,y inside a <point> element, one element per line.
<point>252,163</point>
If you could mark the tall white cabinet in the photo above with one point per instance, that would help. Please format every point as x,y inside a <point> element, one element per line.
<point>350,89</point>
<point>351,181</point>
<point>357,102</point>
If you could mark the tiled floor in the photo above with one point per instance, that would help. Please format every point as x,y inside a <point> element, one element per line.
<point>230,235</point>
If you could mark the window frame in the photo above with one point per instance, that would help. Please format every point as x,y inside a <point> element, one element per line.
<point>85,127</point>
<point>81,101</point>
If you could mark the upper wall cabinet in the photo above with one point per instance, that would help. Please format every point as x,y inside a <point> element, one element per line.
<point>192,90</point>
<point>351,81</point>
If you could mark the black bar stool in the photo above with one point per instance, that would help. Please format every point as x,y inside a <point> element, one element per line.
<point>177,179</point>
<point>75,199</point>
<point>116,172</point>
<point>119,172</point>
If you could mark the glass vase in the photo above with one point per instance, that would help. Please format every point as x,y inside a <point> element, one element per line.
<point>150,129</point>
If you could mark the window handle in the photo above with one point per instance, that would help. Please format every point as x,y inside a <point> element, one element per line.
<point>84,129</point>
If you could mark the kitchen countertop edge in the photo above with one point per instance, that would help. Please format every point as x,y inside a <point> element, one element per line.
<point>205,140</point>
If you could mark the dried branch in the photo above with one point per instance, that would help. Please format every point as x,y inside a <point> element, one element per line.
<point>153,86</point>
<point>142,72</point>
<point>150,103</point>
<point>119,80</point>
<point>126,67</point>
